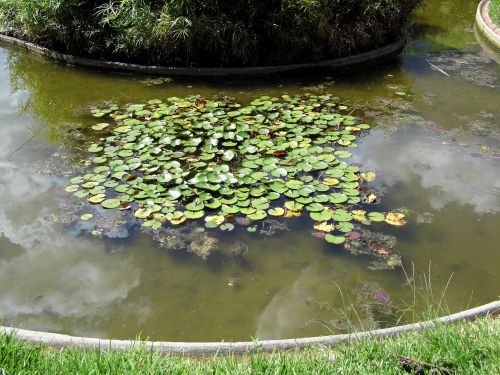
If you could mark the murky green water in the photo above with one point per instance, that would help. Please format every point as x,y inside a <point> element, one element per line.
<point>435,151</point>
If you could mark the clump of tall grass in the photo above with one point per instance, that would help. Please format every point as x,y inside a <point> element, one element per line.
<point>207,32</point>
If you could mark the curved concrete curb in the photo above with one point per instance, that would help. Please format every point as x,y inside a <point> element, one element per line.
<point>214,348</point>
<point>486,26</point>
<point>354,62</point>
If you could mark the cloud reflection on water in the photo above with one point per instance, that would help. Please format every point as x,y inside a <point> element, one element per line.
<point>56,273</point>
<point>447,172</point>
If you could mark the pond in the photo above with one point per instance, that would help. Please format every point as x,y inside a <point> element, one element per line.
<point>434,145</point>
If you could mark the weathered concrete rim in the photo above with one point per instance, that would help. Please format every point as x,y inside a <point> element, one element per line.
<point>485,24</point>
<point>354,62</point>
<point>224,348</point>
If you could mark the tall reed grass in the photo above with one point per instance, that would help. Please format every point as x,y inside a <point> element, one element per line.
<point>207,32</point>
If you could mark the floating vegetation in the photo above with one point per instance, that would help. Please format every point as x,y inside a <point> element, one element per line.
<point>221,163</point>
<point>379,246</point>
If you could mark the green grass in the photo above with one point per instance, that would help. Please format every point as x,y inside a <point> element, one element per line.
<point>494,11</point>
<point>464,348</point>
<point>207,32</point>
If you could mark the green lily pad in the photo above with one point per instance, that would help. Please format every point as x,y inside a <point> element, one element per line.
<point>321,215</point>
<point>315,207</point>
<point>294,184</point>
<point>278,211</point>
<point>376,216</point>
<point>345,227</point>
<point>100,126</point>
<point>293,206</point>
<point>110,203</point>
<point>227,227</point>
<point>228,155</point>
<point>86,217</point>
<point>94,148</point>
<point>342,215</point>
<point>195,206</point>
<point>338,198</point>
<point>258,215</point>
<point>193,215</point>
<point>96,199</point>
<point>71,188</point>
<point>153,224</point>
<point>336,240</point>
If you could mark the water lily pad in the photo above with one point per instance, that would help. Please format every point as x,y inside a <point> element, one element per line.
<point>324,215</point>
<point>343,154</point>
<point>94,148</point>
<point>71,188</point>
<point>315,207</point>
<point>228,155</point>
<point>279,172</point>
<point>278,211</point>
<point>86,217</point>
<point>294,206</point>
<point>338,198</point>
<point>368,176</point>
<point>342,215</point>
<point>336,240</point>
<point>258,215</point>
<point>227,227</point>
<point>345,227</point>
<point>324,227</point>
<point>294,184</point>
<point>217,219</point>
<point>376,216</point>
<point>100,126</point>
<point>195,206</point>
<point>152,224</point>
<point>143,213</point>
<point>77,180</point>
<point>96,199</point>
<point>278,187</point>
<point>193,215</point>
<point>81,193</point>
<point>110,203</point>
<point>395,218</point>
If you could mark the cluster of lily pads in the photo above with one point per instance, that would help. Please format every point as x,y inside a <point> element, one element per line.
<point>197,159</point>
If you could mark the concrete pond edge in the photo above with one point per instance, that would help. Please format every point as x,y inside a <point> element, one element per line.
<point>343,64</point>
<point>204,349</point>
<point>486,26</point>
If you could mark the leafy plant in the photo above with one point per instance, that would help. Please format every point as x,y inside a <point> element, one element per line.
<point>193,158</point>
<point>207,32</point>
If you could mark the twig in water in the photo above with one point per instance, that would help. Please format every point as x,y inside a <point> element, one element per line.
<point>33,135</point>
<point>353,110</point>
<point>437,68</point>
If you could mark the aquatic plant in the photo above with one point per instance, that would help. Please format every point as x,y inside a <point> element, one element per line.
<point>189,159</point>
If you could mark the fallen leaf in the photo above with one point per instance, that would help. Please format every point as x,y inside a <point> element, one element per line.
<point>368,176</point>
<point>323,226</point>
<point>370,198</point>
<point>395,218</point>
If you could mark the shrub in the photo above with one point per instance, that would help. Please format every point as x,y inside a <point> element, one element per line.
<point>207,32</point>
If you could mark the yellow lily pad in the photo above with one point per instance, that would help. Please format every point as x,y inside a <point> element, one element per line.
<point>324,227</point>
<point>368,176</point>
<point>395,218</point>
